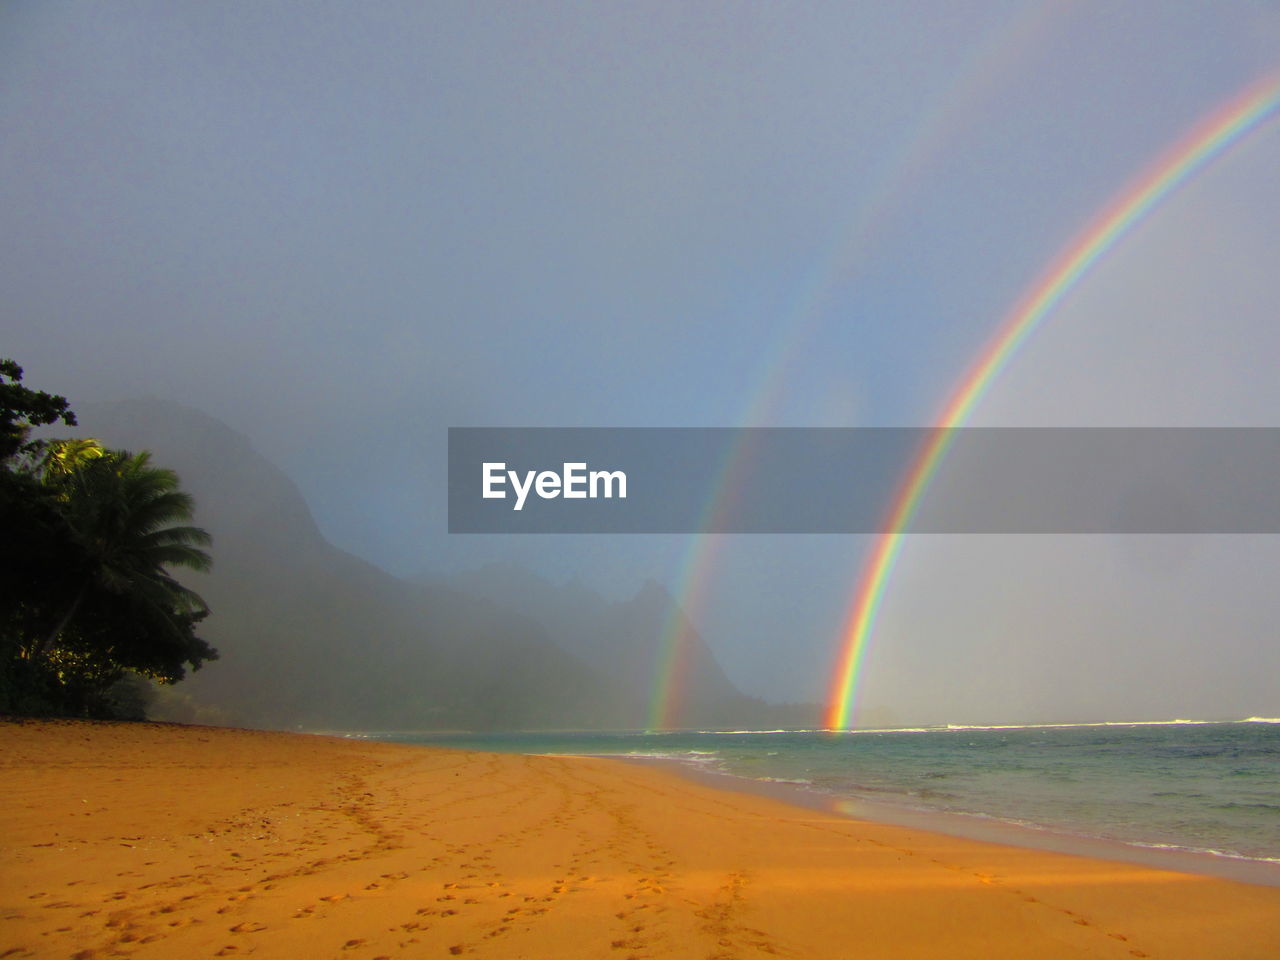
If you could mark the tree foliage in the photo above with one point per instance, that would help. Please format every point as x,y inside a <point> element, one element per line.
<point>88,602</point>
<point>22,408</point>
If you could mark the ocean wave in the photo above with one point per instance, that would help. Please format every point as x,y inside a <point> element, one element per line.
<point>745,733</point>
<point>846,806</point>
<point>1211,851</point>
<point>1095,723</point>
<point>947,727</point>
<point>1247,806</point>
<point>696,757</point>
<point>1125,841</point>
<point>899,730</point>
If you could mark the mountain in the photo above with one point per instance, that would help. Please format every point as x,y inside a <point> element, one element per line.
<point>622,640</point>
<point>311,636</point>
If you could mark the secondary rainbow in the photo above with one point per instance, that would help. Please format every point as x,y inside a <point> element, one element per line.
<point>993,60</point>
<point>1208,140</point>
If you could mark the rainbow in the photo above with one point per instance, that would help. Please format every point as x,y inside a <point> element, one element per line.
<point>1207,141</point>
<point>674,644</point>
<point>996,58</point>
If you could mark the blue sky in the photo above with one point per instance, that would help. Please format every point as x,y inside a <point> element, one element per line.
<point>342,228</point>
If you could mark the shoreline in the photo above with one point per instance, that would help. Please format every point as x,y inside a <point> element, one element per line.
<point>153,841</point>
<point>1187,835</point>
<point>982,828</point>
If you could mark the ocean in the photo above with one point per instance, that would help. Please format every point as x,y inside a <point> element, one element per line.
<point>1205,788</point>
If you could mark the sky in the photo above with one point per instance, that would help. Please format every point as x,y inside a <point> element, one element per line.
<point>342,228</point>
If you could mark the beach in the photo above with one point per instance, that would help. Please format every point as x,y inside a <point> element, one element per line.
<point>152,840</point>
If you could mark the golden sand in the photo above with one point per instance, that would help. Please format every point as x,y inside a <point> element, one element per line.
<point>141,840</point>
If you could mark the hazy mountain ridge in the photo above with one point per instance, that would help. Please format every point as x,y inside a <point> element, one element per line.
<point>620,639</point>
<point>312,636</point>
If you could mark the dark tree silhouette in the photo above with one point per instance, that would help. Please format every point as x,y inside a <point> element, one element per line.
<point>87,595</point>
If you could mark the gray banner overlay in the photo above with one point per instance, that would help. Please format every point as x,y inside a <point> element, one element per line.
<point>803,480</point>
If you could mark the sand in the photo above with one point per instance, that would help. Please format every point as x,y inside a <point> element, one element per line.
<point>141,840</point>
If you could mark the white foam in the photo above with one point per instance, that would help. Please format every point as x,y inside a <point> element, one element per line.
<point>1064,726</point>
<point>1226,854</point>
<point>740,733</point>
<point>942,728</point>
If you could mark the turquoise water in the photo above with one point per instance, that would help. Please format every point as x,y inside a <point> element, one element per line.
<point>1202,787</point>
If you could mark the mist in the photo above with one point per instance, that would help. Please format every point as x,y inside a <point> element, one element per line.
<point>340,229</point>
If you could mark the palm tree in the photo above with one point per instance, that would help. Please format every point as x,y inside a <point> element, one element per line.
<point>130,522</point>
<point>56,460</point>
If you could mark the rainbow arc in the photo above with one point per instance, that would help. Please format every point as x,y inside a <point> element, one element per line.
<point>1206,142</point>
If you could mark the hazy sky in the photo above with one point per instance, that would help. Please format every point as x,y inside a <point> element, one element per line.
<point>343,227</point>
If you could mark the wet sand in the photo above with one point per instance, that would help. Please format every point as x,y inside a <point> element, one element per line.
<point>122,840</point>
